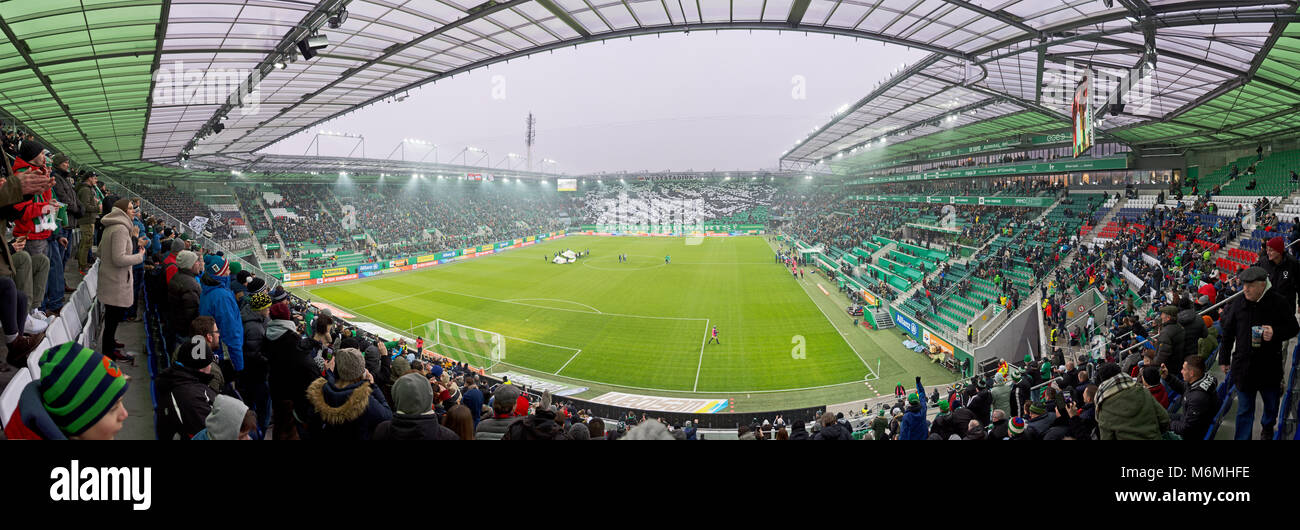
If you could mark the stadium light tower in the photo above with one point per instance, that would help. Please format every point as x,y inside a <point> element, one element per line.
<point>463,154</point>
<point>361,141</point>
<point>548,161</point>
<point>430,148</point>
<point>509,161</point>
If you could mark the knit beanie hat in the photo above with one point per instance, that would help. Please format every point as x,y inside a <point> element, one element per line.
<point>241,276</point>
<point>279,294</point>
<point>196,356</point>
<point>59,159</point>
<point>236,268</point>
<point>257,285</point>
<point>29,149</point>
<point>259,301</point>
<point>280,311</point>
<point>912,398</point>
<point>78,386</point>
<point>122,204</point>
<point>216,265</point>
<point>1107,371</point>
<point>1016,426</point>
<point>1029,358</point>
<point>1277,244</point>
<point>435,370</point>
<point>185,259</point>
<point>400,366</point>
<point>349,365</point>
<point>178,246</point>
<point>1037,407</point>
<point>412,394</point>
<point>580,431</point>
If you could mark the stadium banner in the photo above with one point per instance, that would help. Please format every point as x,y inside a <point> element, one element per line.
<point>484,248</point>
<point>1028,168</point>
<point>337,278</point>
<point>271,246</point>
<point>974,149</point>
<point>1033,202</point>
<point>397,262</point>
<point>925,336</point>
<point>426,258</point>
<point>426,264</point>
<point>367,267</point>
<point>297,283</point>
<point>468,251</point>
<point>666,404</point>
<point>391,270</point>
<point>336,271</point>
<point>303,275</point>
<point>530,238</point>
<point>368,274</point>
<point>541,385</point>
<point>519,241</point>
<point>1059,138</point>
<point>501,245</point>
<point>359,237</point>
<point>448,254</point>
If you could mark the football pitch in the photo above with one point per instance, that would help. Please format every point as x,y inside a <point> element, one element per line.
<point>641,325</point>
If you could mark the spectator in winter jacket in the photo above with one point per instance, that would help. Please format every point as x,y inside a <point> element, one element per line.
<point>798,432</point>
<point>981,404</point>
<point>1200,400</point>
<point>120,251</point>
<point>880,426</point>
<point>230,419</point>
<point>915,426</point>
<point>503,407</point>
<point>974,431</point>
<point>170,263</point>
<point>1151,380</point>
<point>182,392</point>
<point>831,429</point>
<point>89,196</point>
<point>1170,343</point>
<point>345,403</point>
<point>252,381</point>
<point>183,292</point>
<point>1282,270</point>
<point>1256,369</point>
<point>292,370</point>
<point>998,425</point>
<point>78,397</point>
<point>545,424</point>
<point>472,397</point>
<point>1125,410</point>
<point>218,302</point>
<point>413,416</point>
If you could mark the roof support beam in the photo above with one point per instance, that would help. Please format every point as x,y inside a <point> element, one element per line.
<point>1000,17</point>
<point>797,11</point>
<point>25,52</point>
<point>160,33</point>
<point>564,17</point>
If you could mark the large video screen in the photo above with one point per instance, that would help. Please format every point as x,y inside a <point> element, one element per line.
<point>566,184</point>
<point>1081,117</point>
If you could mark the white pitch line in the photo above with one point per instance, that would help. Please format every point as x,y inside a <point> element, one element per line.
<point>512,300</point>
<point>701,363</point>
<point>566,363</point>
<point>391,300</point>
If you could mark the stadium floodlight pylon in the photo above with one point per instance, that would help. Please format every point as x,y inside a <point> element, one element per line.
<point>481,344</point>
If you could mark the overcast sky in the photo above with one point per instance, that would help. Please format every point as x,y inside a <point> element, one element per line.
<point>702,101</point>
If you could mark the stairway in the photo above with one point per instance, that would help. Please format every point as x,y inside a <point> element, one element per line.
<point>882,318</point>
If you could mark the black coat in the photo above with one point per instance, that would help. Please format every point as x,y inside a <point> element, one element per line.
<point>291,369</point>
<point>982,406</point>
<point>1200,404</point>
<point>184,401</point>
<point>834,431</point>
<point>1283,276</point>
<point>413,427</point>
<point>1256,368</point>
<point>1193,331</point>
<point>1170,346</point>
<point>182,302</point>
<point>256,366</point>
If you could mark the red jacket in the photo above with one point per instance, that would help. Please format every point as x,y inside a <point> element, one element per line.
<point>170,267</point>
<point>30,210</point>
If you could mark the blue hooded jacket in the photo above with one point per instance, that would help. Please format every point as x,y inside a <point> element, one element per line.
<point>218,302</point>
<point>144,232</point>
<point>914,426</point>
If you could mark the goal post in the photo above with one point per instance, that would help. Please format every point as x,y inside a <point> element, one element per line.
<point>481,344</point>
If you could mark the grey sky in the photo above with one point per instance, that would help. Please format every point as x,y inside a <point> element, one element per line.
<point>674,102</point>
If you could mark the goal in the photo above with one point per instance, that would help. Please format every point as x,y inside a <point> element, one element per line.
<point>481,344</point>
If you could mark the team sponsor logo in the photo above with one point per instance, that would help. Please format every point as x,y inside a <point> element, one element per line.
<point>337,278</point>
<point>666,404</point>
<point>298,275</point>
<point>426,259</point>
<point>907,324</point>
<point>368,267</point>
<point>447,255</point>
<point>336,271</point>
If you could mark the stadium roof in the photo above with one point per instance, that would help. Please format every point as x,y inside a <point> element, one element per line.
<point>1209,67</point>
<point>81,73</point>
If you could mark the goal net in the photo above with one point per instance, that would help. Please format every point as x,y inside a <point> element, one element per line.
<point>458,340</point>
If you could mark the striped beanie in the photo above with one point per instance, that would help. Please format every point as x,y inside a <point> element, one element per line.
<point>1016,426</point>
<point>216,265</point>
<point>78,386</point>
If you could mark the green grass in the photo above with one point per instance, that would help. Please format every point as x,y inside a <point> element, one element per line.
<point>641,326</point>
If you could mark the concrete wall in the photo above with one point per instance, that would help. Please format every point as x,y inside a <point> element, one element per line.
<point>1019,337</point>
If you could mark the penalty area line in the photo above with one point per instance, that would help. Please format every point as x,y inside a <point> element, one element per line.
<point>700,365</point>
